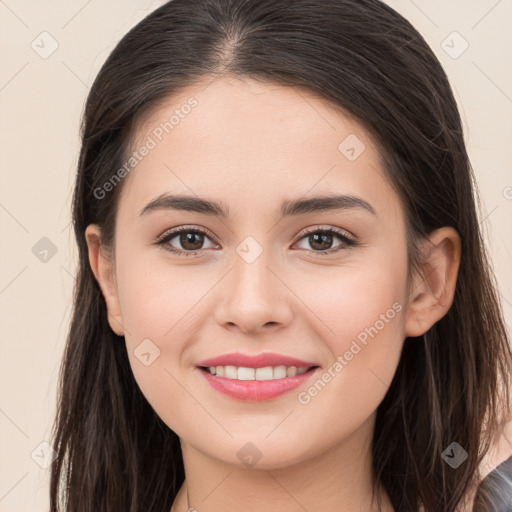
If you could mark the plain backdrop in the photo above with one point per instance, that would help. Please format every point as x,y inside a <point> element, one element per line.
<point>50,54</point>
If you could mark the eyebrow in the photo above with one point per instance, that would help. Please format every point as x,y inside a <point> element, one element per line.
<point>288,207</point>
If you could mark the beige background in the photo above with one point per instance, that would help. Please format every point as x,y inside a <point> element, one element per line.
<point>41,101</point>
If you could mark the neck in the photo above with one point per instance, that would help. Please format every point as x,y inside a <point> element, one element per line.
<point>337,480</point>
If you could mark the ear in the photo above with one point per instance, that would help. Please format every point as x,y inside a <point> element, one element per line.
<point>432,293</point>
<point>102,268</point>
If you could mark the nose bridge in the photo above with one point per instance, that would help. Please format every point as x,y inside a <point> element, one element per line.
<point>252,278</point>
<point>253,296</point>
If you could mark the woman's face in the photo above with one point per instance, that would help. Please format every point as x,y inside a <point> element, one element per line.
<point>259,282</point>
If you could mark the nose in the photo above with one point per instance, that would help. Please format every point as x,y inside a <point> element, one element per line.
<point>254,297</point>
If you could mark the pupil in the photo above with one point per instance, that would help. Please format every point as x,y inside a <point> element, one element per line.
<point>190,238</point>
<point>319,239</point>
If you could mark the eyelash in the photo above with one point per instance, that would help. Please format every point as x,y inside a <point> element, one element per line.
<point>347,242</point>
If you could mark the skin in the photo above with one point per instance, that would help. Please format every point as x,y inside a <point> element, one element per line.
<point>251,145</point>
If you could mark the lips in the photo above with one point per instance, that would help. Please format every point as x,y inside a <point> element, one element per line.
<point>254,390</point>
<point>256,361</point>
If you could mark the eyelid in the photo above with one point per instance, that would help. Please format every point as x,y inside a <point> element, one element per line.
<point>323,227</point>
<point>185,227</point>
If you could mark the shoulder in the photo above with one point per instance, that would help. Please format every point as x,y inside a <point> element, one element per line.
<point>494,493</point>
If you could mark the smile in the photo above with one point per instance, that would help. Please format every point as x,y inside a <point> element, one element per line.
<point>255,384</point>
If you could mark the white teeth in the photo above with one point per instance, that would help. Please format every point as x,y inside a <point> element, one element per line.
<point>291,371</point>
<point>230,372</point>
<point>246,373</point>
<point>279,372</point>
<point>265,373</point>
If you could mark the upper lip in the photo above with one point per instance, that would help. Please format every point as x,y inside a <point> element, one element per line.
<point>256,361</point>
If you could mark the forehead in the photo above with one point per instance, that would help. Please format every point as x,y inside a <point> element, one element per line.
<point>252,143</point>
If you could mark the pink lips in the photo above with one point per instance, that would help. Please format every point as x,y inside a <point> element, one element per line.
<point>258,361</point>
<point>255,390</point>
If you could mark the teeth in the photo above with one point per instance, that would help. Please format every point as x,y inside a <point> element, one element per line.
<point>291,371</point>
<point>246,373</point>
<point>266,373</point>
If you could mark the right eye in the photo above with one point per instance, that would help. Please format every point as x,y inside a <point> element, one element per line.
<point>190,239</point>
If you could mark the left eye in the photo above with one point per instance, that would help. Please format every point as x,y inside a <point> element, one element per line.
<point>322,237</point>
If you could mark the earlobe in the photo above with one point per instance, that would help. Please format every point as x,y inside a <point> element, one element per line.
<point>102,269</point>
<point>432,293</point>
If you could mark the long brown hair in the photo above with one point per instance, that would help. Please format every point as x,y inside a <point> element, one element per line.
<point>114,452</point>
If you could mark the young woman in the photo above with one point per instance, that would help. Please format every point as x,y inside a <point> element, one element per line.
<point>283,299</point>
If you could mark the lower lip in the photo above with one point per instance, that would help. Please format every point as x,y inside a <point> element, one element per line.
<point>256,390</point>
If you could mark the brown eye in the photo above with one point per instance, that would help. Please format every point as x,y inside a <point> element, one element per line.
<point>321,241</point>
<point>189,240</point>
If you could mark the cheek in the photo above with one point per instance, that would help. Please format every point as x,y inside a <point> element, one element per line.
<point>161,309</point>
<point>360,300</point>
<point>157,297</point>
<point>360,322</point>
<point>359,311</point>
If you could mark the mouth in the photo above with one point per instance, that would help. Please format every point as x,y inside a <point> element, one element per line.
<point>250,361</point>
<point>256,384</point>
